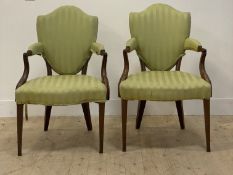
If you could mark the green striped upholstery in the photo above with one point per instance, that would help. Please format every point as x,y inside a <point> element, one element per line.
<point>192,44</point>
<point>97,48</point>
<point>131,44</point>
<point>61,90</point>
<point>36,48</point>
<point>160,32</point>
<point>164,86</point>
<point>66,35</point>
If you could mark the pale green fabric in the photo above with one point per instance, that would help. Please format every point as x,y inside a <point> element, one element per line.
<point>36,48</point>
<point>192,44</point>
<point>97,48</point>
<point>132,44</point>
<point>61,90</point>
<point>67,34</point>
<point>164,86</point>
<point>160,31</point>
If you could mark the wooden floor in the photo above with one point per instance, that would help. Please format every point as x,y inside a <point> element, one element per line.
<point>159,147</point>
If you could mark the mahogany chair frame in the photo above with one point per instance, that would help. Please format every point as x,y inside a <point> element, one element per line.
<point>85,106</point>
<point>179,103</point>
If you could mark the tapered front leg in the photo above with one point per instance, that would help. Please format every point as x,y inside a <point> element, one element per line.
<point>124,123</point>
<point>141,107</point>
<point>87,115</point>
<point>180,111</point>
<point>19,127</point>
<point>101,126</point>
<point>207,123</point>
<point>47,117</point>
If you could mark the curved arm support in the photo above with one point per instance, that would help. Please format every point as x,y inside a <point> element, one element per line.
<point>195,45</point>
<point>49,69</point>
<point>84,69</point>
<point>124,75</point>
<point>98,49</point>
<point>202,69</point>
<point>104,73</point>
<point>178,62</point>
<point>34,49</point>
<point>24,77</point>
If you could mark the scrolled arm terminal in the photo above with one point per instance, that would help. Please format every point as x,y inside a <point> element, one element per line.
<point>192,44</point>
<point>36,49</point>
<point>195,45</point>
<point>97,48</point>
<point>131,44</point>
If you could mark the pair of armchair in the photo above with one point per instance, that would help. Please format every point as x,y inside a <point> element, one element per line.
<point>66,41</point>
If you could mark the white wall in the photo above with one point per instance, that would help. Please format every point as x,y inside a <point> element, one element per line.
<point>212,24</point>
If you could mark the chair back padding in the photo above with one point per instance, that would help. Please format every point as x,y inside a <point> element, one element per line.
<point>66,35</point>
<point>160,32</point>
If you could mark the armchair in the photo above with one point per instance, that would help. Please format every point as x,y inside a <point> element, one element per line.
<point>66,41</point>
<point>160,37</point>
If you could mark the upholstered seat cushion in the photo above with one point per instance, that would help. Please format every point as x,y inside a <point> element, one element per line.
<point>61,90</point>
<point>164,86</point>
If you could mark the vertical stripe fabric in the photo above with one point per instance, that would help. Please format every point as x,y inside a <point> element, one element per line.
<point>164,86</point>
<point>66,35</point>
<point>61,90</point>
<point>160,31</point>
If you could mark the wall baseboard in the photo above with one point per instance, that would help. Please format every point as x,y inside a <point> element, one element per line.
<point>219,106</point>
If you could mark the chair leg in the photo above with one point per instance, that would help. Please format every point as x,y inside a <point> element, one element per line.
<point>47,117</point>
<point>87,115</point>
<point>19,127</point>
<point>101,126</point>
<point>207,123</point>
<point>26,112</point>
<point>124,123</point>
<point>180,111</point>
<point>141,107</point>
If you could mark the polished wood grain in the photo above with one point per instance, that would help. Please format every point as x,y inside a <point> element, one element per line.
<point>206,104</point>
<point>24,77</point>
<point>143,66</point>
<point>180,111</point>
<point>49,69</point>
<point>124,104</point>
<point>178,64</point>
<point>104,76</point>
<point>125,72</point>
<point>202,69</point>
<point>101,126</point>
<point>141,107</point>
<point>47,117</point>
<point>87,115</point>
<point>85,67</point>
<point>19,128</point>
